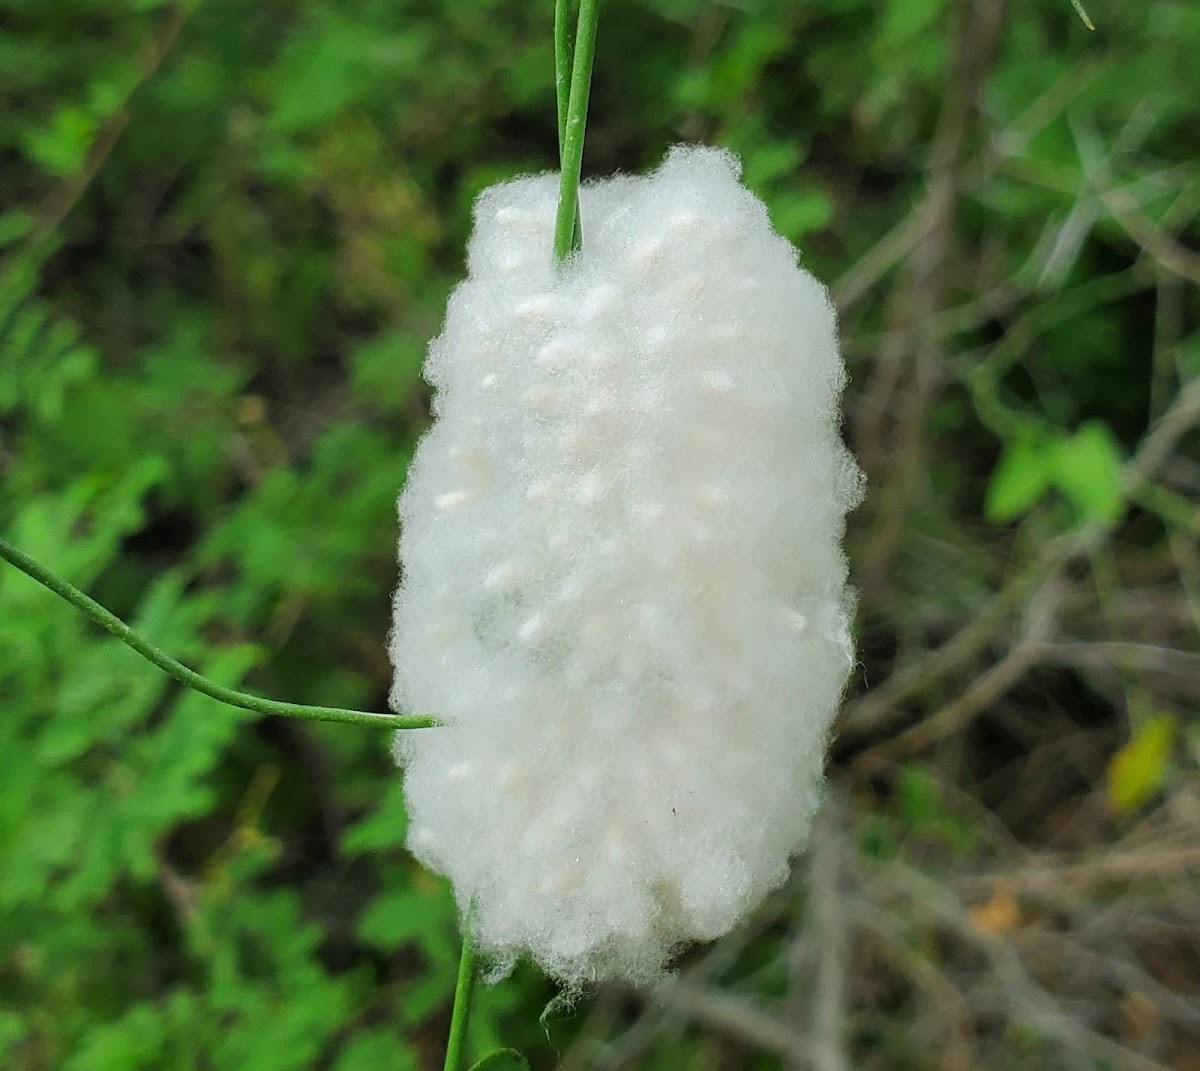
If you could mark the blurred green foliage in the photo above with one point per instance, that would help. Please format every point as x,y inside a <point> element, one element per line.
<point>226,231</point>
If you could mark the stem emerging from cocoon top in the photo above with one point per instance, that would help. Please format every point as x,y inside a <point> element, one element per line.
<point>572,119</point>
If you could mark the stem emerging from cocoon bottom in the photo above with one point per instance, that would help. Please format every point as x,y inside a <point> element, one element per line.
<point>463,990</point>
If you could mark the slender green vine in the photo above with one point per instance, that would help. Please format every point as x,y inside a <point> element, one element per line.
<point>572,122</point>
<point>562,92</point>
<point>573,75</point>
<point>463,990</point>
<point>572,86</point>
<point>562,66</point>
<point>230,696</point>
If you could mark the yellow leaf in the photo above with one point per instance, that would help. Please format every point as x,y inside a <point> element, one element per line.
<point>1137,771</point>
<point>1139,1014</point>
<point>1001,913</point>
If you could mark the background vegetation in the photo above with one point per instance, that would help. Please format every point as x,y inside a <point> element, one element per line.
<point>227,229</point>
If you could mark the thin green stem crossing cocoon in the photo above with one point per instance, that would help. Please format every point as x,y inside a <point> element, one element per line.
<point>463,990</point>
<point>111,623</point>
<point>573,129</point>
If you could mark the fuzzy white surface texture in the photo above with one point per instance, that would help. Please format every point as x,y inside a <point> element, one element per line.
<point>623,589</point>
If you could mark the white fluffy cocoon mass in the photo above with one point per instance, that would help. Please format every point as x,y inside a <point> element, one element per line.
<point>623,590</point>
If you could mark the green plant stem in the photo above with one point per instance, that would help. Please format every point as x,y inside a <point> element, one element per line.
<point>562,91</point>
<point>562,66</point>
<point>113,624</point>
<point>574,128</point>
<point>464,988</point>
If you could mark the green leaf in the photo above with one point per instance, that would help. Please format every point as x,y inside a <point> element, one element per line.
<point>12,1028</point>
<point>877,839</point>
<point>502,1060</point>
<point>136,1040</point>
<point>384,828</point>
<point>1138,770</point>
<point>15,223</point>
<point>377,1050</point>
<point>412,913</point>
<point>1087,468</point>
<point>337,64</point>
<point>387,370</point>
<point>1020,480</point>
<point>61,146</point>
<point>1189,357</point>
<point>918,798</point>
<point>798,214</point>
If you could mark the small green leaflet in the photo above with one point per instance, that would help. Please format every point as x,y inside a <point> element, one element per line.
<point>1018,483</point>
<point>1085,467</point>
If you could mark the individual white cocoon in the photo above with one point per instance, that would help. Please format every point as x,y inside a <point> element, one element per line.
<point>623,591</point>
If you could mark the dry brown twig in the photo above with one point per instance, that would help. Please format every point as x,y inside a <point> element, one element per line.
<point>897,452</point>
<point>1028,1001</point>
<point>828,931</point>
<point>64,198</point>
<point>882,707</point>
